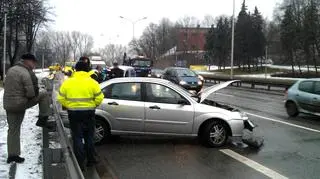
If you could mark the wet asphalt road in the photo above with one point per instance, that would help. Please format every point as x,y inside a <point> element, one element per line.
<point>291,151</point>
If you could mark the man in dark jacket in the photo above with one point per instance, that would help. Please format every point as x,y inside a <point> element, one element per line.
<point>116,72</point>
<point>21,92</point>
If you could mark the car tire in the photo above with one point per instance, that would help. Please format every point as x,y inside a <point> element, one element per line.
<point>102,131</point>
<point>217,129</point>
<point>292,109</point>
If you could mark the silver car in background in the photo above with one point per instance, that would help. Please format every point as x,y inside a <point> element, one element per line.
<point>151,106</point>
<point>303,97</point>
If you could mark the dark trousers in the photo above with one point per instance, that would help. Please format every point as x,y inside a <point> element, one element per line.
<point>82,125</point>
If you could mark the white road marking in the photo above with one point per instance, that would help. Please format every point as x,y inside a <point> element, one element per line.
<point>229,95</point>
<point>254,165</point>
<point>283,122</point>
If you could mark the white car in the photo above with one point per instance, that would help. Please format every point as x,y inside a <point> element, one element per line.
<point>151,106</point>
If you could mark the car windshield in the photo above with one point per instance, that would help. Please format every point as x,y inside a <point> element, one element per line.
<point>142,63</point>
<point>157,71</point>
<point>186,73</point>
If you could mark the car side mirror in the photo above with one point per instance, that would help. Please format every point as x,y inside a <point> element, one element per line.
<point>183,102</point>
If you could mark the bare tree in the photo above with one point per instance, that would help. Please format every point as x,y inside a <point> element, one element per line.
<point>35,15</point>
<point>24,20</point>
<point>208,21</point>
<point>113,52</point>
<point>61,46</point>
<point>86,44</point>
<point>75,43</point>
<point>188,21</point>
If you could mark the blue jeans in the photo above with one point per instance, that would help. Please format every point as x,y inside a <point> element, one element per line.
<point>82,125</point>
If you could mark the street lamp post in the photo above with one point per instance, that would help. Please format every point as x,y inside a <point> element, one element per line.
<point>232,41</point>
<point>133,23</point>
<point>4,44</point>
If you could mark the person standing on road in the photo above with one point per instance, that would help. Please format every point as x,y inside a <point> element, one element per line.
<point>92,73</point>
<point>81,101</point>
<point>116,72</point>
<point>100,76</point>
<point>21,91</point>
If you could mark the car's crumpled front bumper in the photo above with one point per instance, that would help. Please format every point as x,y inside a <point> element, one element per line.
<point>248,125</point>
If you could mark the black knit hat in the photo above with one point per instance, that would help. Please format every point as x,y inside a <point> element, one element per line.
<point>84,59</point>
<point>82,66</point>
<point>29,56</point>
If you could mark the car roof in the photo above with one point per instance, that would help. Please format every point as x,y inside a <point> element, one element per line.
<point>177,68</point>
<point>124,68</point>
<point>310,79</point>
<point>137,80</point>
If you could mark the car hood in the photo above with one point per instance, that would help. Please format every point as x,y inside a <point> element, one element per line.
<point>208,91</point>
<point>189,78</point>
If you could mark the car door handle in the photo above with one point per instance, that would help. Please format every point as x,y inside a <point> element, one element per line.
<point>113,103</point>
<point>154,107</point>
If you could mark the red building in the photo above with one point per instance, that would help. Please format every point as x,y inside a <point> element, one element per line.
<point>189,50</point>
<point>191,39</point>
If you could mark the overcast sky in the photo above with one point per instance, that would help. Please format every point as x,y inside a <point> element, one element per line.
<point>100,18</point>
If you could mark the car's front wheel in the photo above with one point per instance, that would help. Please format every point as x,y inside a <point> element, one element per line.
<point>102,131</point>
<point>215,134</point>
<point>292,109</point>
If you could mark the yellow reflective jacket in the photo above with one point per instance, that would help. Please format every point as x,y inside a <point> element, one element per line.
<point>80,92</point>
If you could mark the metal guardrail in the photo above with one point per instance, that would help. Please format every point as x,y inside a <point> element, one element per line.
<point>74,170</point>
<point>253,81</point>
<point>65,153</point>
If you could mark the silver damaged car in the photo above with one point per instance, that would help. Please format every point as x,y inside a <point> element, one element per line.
<point>150,106</point>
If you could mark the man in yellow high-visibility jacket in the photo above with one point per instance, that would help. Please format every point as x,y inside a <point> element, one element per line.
<point>80,94</point>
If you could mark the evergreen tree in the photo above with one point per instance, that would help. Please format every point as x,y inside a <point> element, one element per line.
<point>311,32</point>
<point>242,36</point>
<point>288,34</point>
<point>258,39</point>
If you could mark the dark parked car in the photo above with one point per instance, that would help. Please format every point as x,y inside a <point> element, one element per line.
<point>185,77</point>
<point>156,73</point>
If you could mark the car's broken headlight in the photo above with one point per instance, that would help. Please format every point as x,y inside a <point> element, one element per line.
<point>244,115</point>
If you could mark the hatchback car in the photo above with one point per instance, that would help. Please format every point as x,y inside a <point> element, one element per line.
<point>303,97</point>
<point>152,106</point>
<point>156,73</point>
<point>183,77</point>
<point>128,71</point>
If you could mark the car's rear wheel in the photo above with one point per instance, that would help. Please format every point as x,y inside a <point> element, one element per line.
<point>215,134</point>
<point>102,131</point>
<point>292,109</point>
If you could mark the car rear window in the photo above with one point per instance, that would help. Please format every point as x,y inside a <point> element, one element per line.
<point>317,87</point>
<point>306,86</point>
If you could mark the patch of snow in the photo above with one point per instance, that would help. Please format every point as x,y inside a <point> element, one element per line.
<point>303,68</point>
<point>31,146</point>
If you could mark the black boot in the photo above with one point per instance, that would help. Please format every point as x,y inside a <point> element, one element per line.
<point>43,122</point>
<point>16,159</point>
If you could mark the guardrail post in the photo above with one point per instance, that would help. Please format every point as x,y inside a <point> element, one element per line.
<point>252,85</point>
<point>45,161</point>
<point>269,87</point>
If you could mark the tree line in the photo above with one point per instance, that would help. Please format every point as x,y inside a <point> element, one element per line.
<point>24,19</point>
<point>300,32</point>
<point>249,42</point>
<point>157,39</point>
<point>60,46</point>
<point>292,37</point>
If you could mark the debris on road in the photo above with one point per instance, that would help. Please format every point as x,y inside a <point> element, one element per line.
<point>251,140</point>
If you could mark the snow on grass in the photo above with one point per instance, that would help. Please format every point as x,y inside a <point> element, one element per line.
<point>30,147</point>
